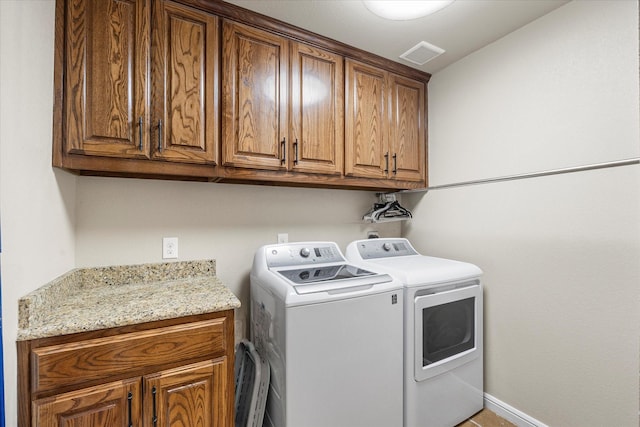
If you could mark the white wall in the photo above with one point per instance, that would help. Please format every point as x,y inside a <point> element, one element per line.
<point>37,203</point>
<point>561,254</point>
<point>123,221</point>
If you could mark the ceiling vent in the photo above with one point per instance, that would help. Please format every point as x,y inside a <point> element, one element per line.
<point>422,53</point>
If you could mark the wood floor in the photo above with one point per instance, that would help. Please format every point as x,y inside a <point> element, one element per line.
<point>486,418</point>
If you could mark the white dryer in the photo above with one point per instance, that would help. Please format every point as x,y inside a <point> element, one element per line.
<point>332,333</point>
<point>443,345</point>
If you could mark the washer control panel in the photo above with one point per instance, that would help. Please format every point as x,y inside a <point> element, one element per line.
<point>303,253</point>
<point>385,248</point>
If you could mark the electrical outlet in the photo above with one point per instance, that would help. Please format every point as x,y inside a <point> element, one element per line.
<point>283,238</point>
<point>169,247</point>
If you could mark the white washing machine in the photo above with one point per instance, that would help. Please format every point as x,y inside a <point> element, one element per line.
<point>332,333</point>
<point>443,360</point>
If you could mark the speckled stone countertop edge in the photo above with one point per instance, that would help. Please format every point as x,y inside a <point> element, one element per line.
<point>90,299</point>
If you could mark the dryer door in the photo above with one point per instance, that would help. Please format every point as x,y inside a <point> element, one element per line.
<point>447,328</point>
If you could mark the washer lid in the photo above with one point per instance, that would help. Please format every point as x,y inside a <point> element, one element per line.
<point>331,278</point>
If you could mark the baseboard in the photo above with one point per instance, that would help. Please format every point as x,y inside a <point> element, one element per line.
<point>510,413</point>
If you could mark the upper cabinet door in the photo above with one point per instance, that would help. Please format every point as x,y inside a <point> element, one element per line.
<point>407,137</point>
<point>185,54</point>
<point>366,123</point>
<point>317,110</point>
<point>106,97</point>
<point>254,96</point>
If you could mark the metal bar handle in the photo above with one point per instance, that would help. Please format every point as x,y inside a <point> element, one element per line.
<point>395,164</point>
<point>386,163</point>
<point>140,133</point>
<point>129,399</point>
<point>295,149</point>
<point>160,135</point>
<point>283,148</point>
<point>155,412</point>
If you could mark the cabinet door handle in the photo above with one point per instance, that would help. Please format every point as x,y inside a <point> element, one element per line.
<point>283,147</point>
<point>129,399</point>
<point>395,164</point>
<point>295,150</point>
<point>160,135</point>
<point>140,133</point>
<point>386,163</point>
<point>155,412</point>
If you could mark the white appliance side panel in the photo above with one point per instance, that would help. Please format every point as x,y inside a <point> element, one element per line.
<point>445,400</point>
<point>345,363</point>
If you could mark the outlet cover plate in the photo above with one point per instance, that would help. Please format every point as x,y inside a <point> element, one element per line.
<point>169,247</point>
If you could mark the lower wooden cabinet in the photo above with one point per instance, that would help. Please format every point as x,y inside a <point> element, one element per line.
<point>168,373</point>
<point>190,395</point>
<point>106,405</point>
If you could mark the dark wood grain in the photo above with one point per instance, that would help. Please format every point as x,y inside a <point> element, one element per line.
<point>254,97</point>
<point>24,384</point>
<point>106,405</point>
<point>226,99</point>
<point>367,121</point>
<point>197,349</point>
<point>74,363</point>
<point>408,131</point>
<point>105,85</point>
<point>316,135</point>
<point>185,84</point>
<point>191,395</point>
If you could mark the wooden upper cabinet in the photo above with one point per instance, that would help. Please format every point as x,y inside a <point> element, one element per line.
<point>317,110</point>
<point>106,97</point>
<point>205,90</point>
<point>367,120</point>
<point>106,405</point>
<point>385,128</point>
<point>407,139</point>
<point>254,97</point>
<point>109,109</point>
<point>282,103</point>
<point>185,84</point>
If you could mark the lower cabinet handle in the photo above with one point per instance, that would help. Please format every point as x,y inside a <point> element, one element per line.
<point>160,135</point>
<point>140,133</point>
<point>295,150</point>
<point>283,147</point>
<point>130,398</point>
<point>386,163</point>
<point>395,164</point>
<point>155,412</point>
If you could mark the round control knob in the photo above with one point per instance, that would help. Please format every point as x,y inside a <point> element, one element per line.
<point>386,247</point>
<point>305,252</point>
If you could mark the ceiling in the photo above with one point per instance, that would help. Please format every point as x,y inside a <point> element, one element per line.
<point>460,29</point>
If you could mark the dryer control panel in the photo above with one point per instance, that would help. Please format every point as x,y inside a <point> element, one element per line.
<point>385,248</point>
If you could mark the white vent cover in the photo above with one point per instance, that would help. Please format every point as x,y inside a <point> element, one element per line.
<point>422,53</point>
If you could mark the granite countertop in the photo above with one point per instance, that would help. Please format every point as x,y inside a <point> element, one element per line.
<point>89,299</point>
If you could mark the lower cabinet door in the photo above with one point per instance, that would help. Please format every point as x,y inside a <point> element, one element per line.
<point>107,405</point>
<point>191,395</point>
